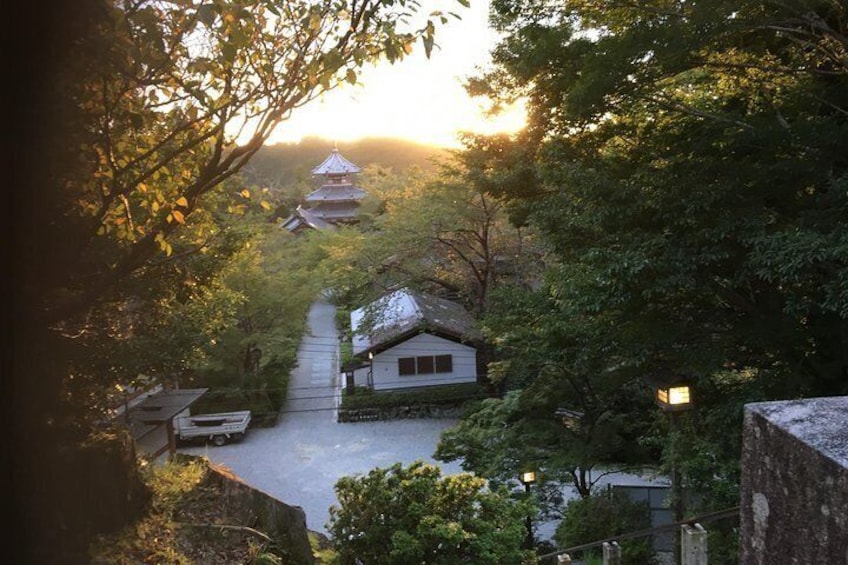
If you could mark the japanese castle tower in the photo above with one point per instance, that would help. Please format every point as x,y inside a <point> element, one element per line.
<point>335,202</point>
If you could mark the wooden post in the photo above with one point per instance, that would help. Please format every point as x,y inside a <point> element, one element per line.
<point>693,544</point>
<point>612,553</point>
<point>676,499</point>
<point>564,559</point>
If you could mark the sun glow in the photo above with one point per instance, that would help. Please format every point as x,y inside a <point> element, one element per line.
<point>416,99</point>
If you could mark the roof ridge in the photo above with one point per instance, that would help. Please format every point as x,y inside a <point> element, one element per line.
<point>414,297</point>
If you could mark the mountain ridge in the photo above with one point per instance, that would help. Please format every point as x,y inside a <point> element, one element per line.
<point>283,164</point>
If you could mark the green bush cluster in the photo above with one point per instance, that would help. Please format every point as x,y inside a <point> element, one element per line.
<point>606,514</point>
<point>446,395</point>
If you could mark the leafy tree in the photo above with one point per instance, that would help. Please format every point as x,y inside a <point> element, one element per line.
<point>270,322</point>
<point>405,515</point>
<point>689,189</point>
<point>443,233</point>
<point>139,113</point>
<point>603,515</point>
<point>689,182</point>
<point>503,436</point>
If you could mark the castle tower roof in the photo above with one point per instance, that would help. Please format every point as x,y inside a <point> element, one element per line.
<point>335,164</point>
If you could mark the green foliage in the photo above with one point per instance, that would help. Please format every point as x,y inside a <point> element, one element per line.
<point>179,525</point>
<point>605,515</point>
<point>270,320</point>
<point>440,233</point>
<point>690,188</point>
<point>405,515</point>
<point>546,362</point>
<point>446,395</point>
<point>500,437</point>
<point>163,123</point>
<point>689,179</point>
<point>485,441</point>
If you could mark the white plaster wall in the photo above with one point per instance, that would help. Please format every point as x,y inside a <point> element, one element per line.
<point>386,364</point>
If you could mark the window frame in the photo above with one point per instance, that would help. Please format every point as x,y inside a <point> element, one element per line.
<point>425,365</point>
<point>404,366</point>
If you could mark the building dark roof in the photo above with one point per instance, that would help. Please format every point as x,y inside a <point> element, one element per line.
<point>404,313</point>
<point>336,193</point>
<point>302,219</point>
<point>164,405</point>
<point>159,407</point>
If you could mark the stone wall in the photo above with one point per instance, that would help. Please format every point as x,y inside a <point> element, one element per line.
<point>285,524</point>
<point>794,506</point>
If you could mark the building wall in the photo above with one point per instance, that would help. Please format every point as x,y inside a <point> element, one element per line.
<point>385,364</point>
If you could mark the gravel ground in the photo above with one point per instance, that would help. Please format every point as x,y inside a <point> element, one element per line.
<point>300,459</point>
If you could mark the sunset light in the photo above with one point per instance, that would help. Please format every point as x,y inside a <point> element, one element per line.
<point>416,99</point>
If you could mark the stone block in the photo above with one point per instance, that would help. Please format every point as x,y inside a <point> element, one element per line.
<point>794,503</point>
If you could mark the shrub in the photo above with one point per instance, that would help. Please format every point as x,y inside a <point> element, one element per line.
<point>411,515</point>
<point>603,515</point>
<point>446,395</point>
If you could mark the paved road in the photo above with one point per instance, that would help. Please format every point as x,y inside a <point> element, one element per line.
<point>300,459</point>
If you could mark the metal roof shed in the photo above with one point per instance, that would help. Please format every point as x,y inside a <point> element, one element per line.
<point>151,421</point>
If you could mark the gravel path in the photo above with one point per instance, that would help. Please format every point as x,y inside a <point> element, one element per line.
<point>300,459</point>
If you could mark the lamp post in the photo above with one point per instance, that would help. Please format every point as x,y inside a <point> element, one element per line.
<point>528,478</point>
<point>370,369</point>
<point>675,396</point>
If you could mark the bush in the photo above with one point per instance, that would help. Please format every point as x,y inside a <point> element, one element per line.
<point>411,515</point>
<point>262,393</point>
<point>603,515</point>
<point>447,395</point>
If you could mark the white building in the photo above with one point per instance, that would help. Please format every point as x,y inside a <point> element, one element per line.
<point>408,339</point>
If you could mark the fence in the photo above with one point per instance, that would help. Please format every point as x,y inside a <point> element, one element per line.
<point>693,541</point>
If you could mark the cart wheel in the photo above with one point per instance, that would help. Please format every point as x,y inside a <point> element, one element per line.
<point>219,440</point>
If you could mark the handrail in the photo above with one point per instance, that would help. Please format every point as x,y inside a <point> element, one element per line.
<point>709,517</point>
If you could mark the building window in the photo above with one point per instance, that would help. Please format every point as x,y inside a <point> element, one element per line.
<point>406,366</point>
<point>444,363</point>
<point>425,365</point>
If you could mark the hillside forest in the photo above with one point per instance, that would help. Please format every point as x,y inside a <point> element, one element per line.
<point>676,207</point>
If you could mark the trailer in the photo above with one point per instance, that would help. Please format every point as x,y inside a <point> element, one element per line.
<point>218,429</point>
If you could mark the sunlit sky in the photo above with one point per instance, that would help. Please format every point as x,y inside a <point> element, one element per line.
<point>416,99</point>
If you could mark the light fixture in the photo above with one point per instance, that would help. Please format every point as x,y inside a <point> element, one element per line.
<point>528,478</point>
<point>674,398</point>
<point>673,395</point>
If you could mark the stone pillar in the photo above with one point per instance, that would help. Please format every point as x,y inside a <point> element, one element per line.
<point>612,553</point>
<point>693,545</point>
<point>794,503</point>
